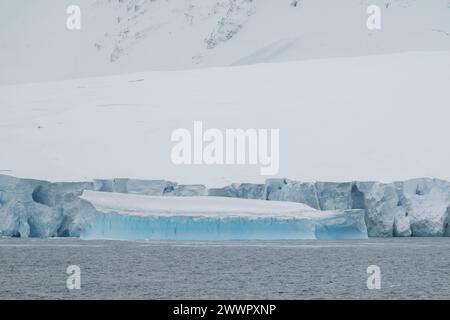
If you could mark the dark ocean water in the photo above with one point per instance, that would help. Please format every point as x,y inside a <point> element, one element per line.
<point>411,268</point>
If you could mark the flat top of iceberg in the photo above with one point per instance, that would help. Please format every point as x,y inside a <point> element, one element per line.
<point>142,205</point>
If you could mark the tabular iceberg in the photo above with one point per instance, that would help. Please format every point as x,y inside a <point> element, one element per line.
<point>138,217</point>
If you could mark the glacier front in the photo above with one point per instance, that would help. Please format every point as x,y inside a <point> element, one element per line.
<point>140,217</point>
<point>418,207</point>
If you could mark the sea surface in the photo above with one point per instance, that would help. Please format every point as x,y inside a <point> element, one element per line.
<point>410,268</point>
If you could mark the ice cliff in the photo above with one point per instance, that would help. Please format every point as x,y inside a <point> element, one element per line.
<point>32,208</point>
<point>418,207</point>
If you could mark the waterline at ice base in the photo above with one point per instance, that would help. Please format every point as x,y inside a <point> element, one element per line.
<point>138,217</point>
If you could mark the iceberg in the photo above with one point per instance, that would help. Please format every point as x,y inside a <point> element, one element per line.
<point>140,217</point>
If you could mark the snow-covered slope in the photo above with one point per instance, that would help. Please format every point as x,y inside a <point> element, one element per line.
<point>121,36</point>
<point>380,118</point>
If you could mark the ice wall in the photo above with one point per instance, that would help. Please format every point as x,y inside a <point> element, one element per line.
<point>124,227</point>
<point>239,190</point>
<point>417,207</point>
<point>33,208</point>
<point>149,187</point>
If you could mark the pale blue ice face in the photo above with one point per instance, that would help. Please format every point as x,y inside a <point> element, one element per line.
<point>125,227</point>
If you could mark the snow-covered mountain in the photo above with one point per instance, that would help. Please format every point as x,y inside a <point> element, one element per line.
<point>370,111</point>
<point>121,36</point>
